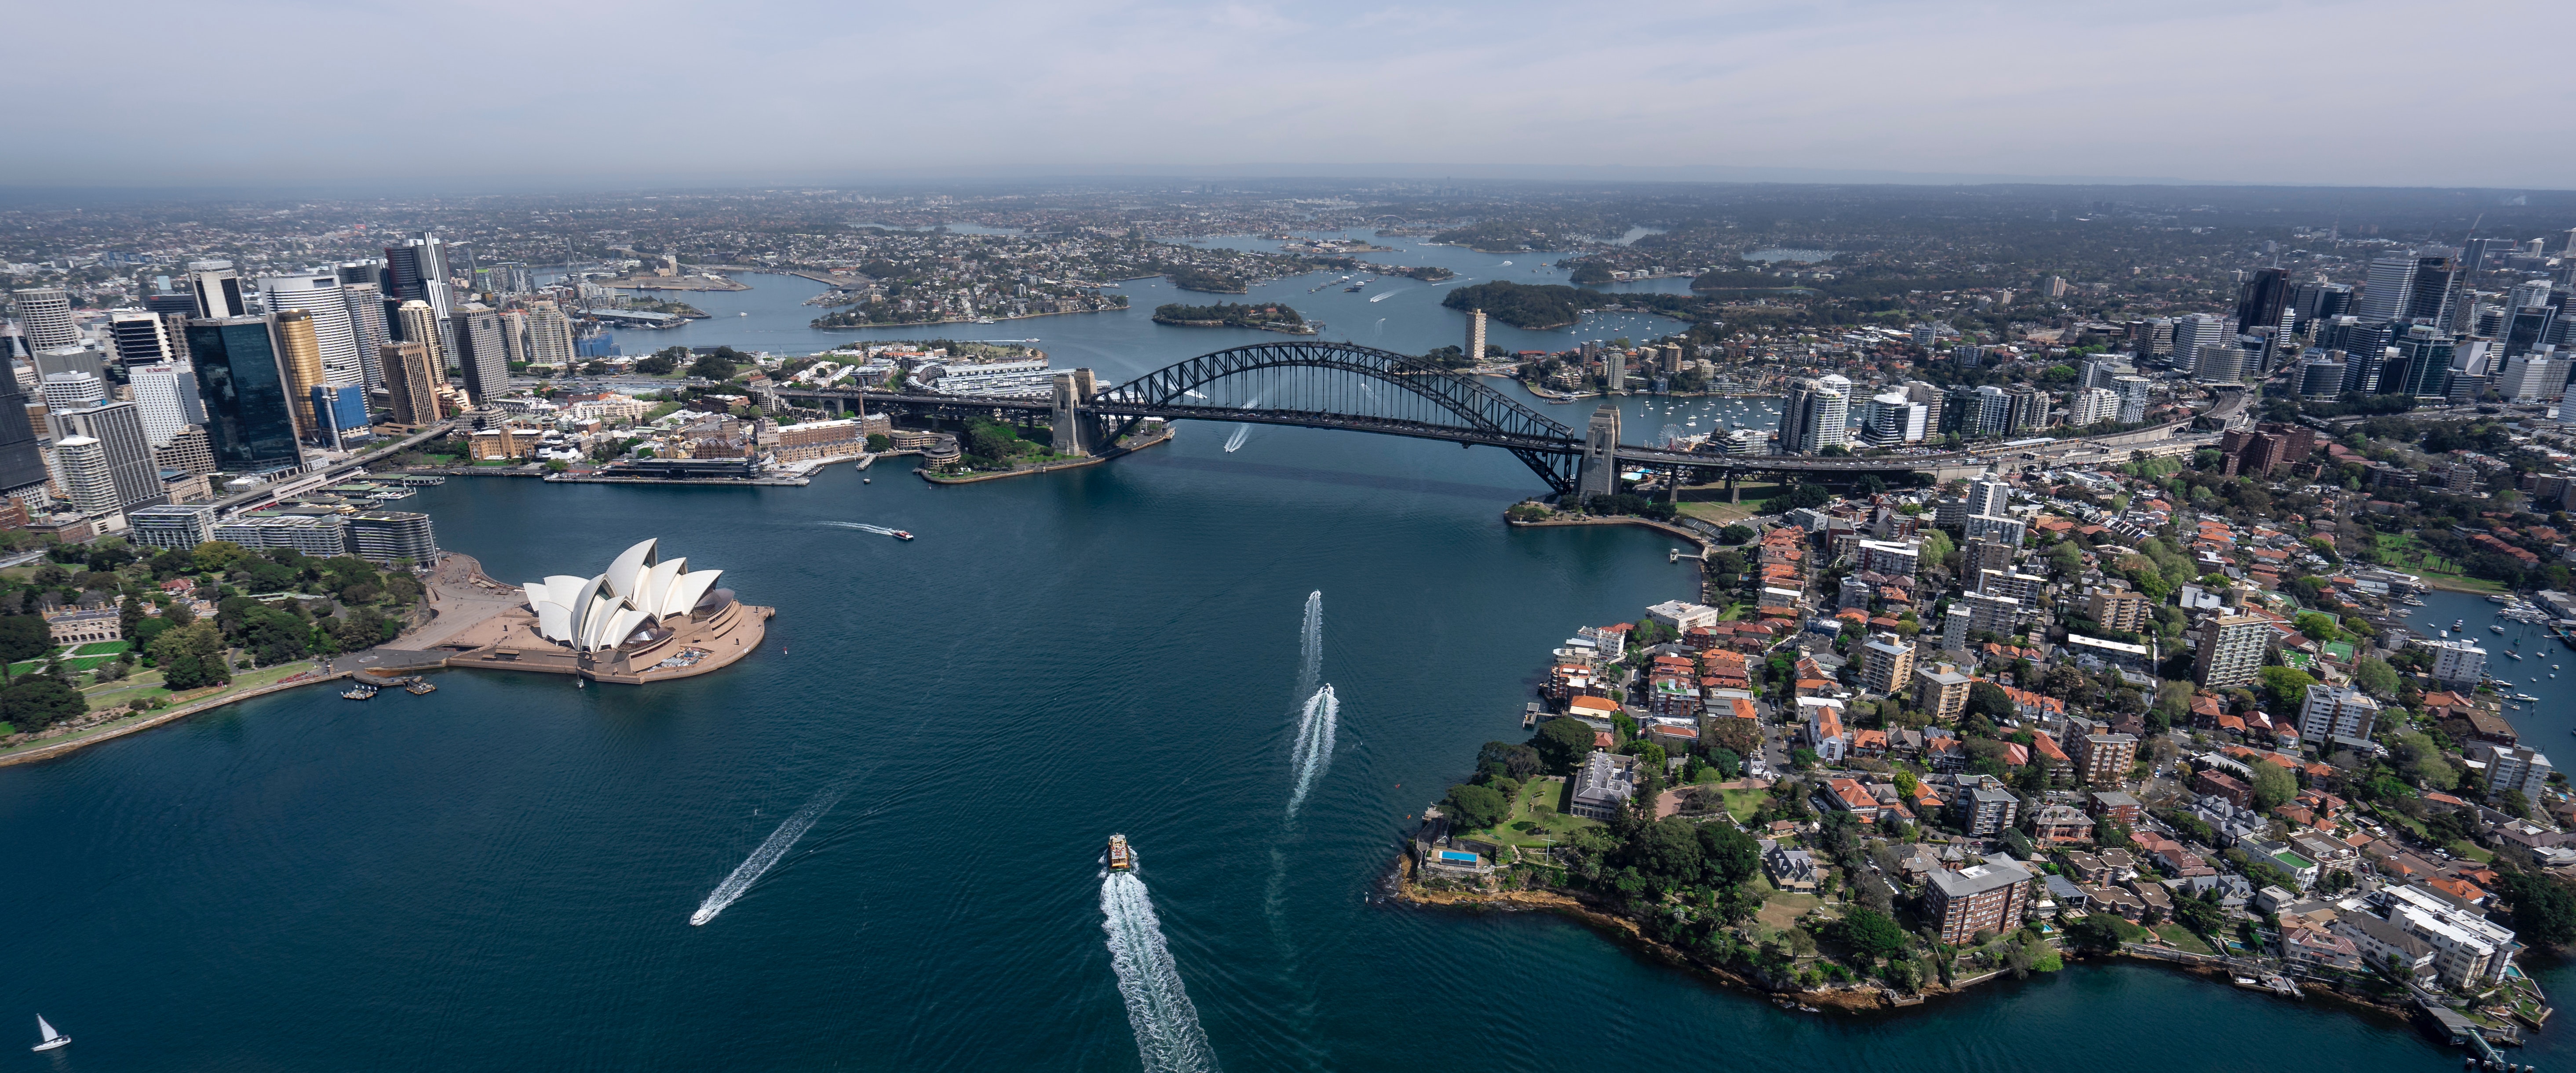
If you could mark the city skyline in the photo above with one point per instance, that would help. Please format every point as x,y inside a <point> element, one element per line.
<point>1874,93</point>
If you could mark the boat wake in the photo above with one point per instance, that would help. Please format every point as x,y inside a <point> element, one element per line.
<point>1235,442</point>
<point>862,527</point>
<point>1314,749</point>
<point>1384,296</point>
<point>766,857</point>
<point>1310,645</point>
<point>1168,1036</point>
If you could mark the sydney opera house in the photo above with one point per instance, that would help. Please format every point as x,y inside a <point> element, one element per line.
<point>644,619</point>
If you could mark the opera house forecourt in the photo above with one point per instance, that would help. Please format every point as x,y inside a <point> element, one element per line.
<point>643,620</point>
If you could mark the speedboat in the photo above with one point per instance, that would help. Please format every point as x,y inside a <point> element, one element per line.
<point>900,535</point>
<point>1121,859</point>
<point>53,1039</point>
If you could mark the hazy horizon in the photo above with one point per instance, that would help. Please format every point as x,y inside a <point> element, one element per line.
<point>590,96</point>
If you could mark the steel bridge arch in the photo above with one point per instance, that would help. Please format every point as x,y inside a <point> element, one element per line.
<point>1483,415</point>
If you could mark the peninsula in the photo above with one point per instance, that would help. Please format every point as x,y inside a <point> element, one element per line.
<point>1269,318</point>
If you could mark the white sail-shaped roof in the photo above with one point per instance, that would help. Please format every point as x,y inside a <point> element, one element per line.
<point>601,612</point>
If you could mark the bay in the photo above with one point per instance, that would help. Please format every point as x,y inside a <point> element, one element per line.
<point>500,875</point>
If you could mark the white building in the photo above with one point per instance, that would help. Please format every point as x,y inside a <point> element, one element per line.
<point>2518,768</point>
<point>72,390</point>
<point>2456,661</point>
<point>2468,949</point>
<point>166,395</point>
<point>2336,712</point>
<point>2133,397</point>
<point>333,333</point>
<point>2002,530</point>
<point>2092,406</point>
<point>1891,558</point>
<point>45,314</point>
<point>1683,616</point>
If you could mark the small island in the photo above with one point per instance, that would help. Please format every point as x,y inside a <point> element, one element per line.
<point>1270,317</point>
<point>1193,278</point>
<point>1425,273</point>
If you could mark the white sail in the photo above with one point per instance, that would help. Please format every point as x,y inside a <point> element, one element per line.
<point>48,1030</point>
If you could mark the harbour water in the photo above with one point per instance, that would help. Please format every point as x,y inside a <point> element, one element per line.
<point>502,875</point>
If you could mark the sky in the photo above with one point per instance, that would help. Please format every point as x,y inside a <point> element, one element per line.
<point>295,93</point>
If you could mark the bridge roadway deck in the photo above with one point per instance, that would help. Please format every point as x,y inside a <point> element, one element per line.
<point>1946,464</point>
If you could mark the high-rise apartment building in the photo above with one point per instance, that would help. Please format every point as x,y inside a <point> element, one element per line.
<point>2336,712</point>
<point>550,334</point>
<point>2102,759</point>
<point>2459,662</point>
<point>81,465</point>
<point>415,321</point>
<point>1815,415</point>
<point>2133,397</point>
<point>1475,333</point>
<point>1941,692</point>
<point>45,314</point>
<point>412,379</point>
<point>166,395</point>
<point>2118,609</point>
<point>188,452</point>
<point>250,425</point>
<point>135,479</point>
<point>2231,650</point>
<point>1887,664</point>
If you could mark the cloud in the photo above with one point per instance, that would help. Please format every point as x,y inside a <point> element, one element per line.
<point>277,92</point>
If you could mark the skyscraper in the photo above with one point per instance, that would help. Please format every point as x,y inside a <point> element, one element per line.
<point>249,424</point>
<point>550,333</point>
<point>1828,415</point>
<point>484,354</point>
<point>86,478</point>
<point>216,290</point>
<point>2384,294</point>
<point>419,273</point>
<point>2194,336</point>
<point>299,358</point>
<point>2316,301</point>
<point>142,337</point>
<point>1475,332</point>
<point>2231,650</point>
<point>2133,397</point>
<point>66,391</point>
<point>22,462</point>
<point>412,379</point>
<point>166,396</point>
<point>367,322</point>
<point>2432,290</point>
<point>334,333</point>
<point>417,322</point>
<point>45,313</point>
<point>118,429</point>
<point>2262,297</point>
<point>2426,352</point>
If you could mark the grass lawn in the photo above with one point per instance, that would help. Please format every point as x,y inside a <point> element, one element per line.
<point>2405,552</point>
<point>1542,829</point>
<point>100,648</point>
<point>2471,851</point>
<point>1742,804</point>
<point>1717,513</point>
<point>2410,823</point>
<point>1782,909</point>
<point>2181,938</point>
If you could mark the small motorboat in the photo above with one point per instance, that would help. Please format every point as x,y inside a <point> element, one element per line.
<point>53,1039</point>
<point>867,480</point>
<point>1121,859</point>
<point>900,535</point>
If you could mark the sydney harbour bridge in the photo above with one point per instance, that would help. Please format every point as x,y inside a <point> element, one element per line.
<point>1362,389</point>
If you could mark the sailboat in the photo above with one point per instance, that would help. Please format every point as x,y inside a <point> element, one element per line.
<point>53,1039</point>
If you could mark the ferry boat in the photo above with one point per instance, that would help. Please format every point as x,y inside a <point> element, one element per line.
<point>1121,859</point>
<point>900,535</point>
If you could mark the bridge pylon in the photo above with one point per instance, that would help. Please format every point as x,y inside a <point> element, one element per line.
<point>1070,425</point>
<point>1597,471</point>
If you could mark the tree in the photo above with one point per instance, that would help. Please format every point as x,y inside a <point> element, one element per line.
<point>1730,856</point>
<point>1477,807</point>
<point>879,443</point>
<point>1506,760</point>
<point>1870,932</point>
<point>219,555</point>
<point>712,367</point>
<point>23,637</point>
<point>656,365</point>
<point>38,701</point>
<point>2286,688</point>
<point>192,657</point>
<point>2375,676</point>
<point>1989,700</point>
<point>2094,933</point>
<point>1562,742</point>
<point>2273,784</point>
<point>1735,534</point>
<point>2544,910</point>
